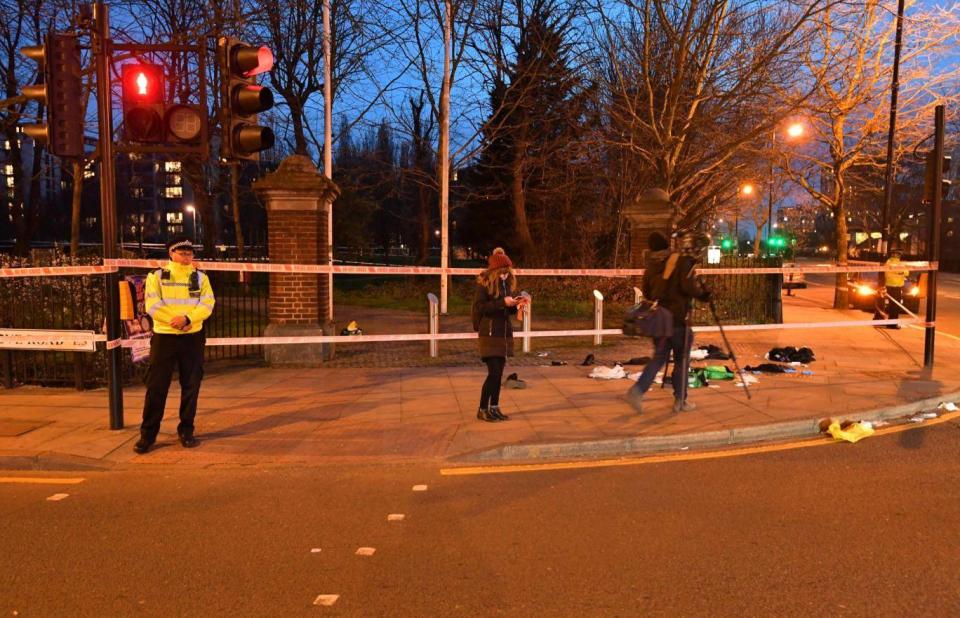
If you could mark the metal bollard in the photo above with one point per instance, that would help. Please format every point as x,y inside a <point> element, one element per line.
<point>527,321</point>
<point>637,295</point>
<point>597,316</point>
<point>433,325</point>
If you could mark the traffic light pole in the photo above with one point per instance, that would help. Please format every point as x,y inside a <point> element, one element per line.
<point>108,210</point>
<point>933,252</point>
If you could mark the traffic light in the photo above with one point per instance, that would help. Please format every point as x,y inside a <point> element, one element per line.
<point>242,98</point>
<point>60,93</point>
<point>726,244</point>
<point>929,177</point>
<point>147,117</point>
<point>143,103</point>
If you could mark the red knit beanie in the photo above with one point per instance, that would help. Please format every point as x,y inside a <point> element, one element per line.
<point>499,259</point>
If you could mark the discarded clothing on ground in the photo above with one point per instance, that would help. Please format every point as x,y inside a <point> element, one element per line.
<point>589,360</point>
<point>714,352</point>
<point>769,368</point>
<point>608,373</point>
<point>698,354</point>
<point>696,378</point>
<point>637,360</point>
<point>558,363</point>
<point>513,381</point>
<point>791,354</point>
<point>718,372</point>
<point>851,432</point>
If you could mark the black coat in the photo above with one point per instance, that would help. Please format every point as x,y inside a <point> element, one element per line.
<point>496,329</point>
<point>677,292</point>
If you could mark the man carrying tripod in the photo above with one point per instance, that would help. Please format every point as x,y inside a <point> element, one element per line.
<point>669,279</point>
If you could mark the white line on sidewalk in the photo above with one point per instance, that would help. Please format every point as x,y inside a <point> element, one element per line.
<point>57,497</point>
<point>326,599</point>
<point>939,332</point>
<point>36,480</point>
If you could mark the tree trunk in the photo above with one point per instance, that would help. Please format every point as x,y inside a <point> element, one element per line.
<point>841,293</point>
<point>75,203</point>
<point>519,198</point>
<point>423,250</point>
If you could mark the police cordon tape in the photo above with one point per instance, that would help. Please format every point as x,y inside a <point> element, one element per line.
<point>264,267</point>
<point>57,271</point>
<point>225,341</point>
<point>233,341</point>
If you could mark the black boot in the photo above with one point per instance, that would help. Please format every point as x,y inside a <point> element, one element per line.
<point>143,445</point>
<point>500,416</point>
<point>484,414</point>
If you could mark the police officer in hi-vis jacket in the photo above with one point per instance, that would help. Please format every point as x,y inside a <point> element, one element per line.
<point>178,299</point>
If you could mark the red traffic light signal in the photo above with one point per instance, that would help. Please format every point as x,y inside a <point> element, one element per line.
<point>143,102</point>
<point>242,99</point>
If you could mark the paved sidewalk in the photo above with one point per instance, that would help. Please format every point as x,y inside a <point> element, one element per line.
<point>260,416</point>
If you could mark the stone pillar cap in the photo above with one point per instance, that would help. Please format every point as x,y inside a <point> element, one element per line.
<point>298,174</point>
<point>655,195</point>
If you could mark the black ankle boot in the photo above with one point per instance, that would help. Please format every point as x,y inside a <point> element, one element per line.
<point>500,416</point>
<point>484,414</point>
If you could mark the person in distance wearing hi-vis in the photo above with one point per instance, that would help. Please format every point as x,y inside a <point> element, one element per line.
<point>178,299</point>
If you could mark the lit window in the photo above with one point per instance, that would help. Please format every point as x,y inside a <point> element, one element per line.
<point>171,166</point>
<point>174,180</point>
<point>9,181</point>
<point>6,144</point>
<point>172,192</point>
<point>137,192</point>
<point>8,169</point>
<point>174,217</point>
<point>88,173</point>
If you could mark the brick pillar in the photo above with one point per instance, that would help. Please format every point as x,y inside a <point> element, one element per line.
<point>297,199</point>
<point>651,212</point>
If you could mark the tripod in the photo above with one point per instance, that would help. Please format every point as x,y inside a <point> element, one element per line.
<point>726,343</point>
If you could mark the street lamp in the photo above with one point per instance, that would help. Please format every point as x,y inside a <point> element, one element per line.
<point>193,211</point>
<point>795,130</point>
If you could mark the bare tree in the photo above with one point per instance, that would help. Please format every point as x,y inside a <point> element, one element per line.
<point>847,59</point>
<point>691,84</point>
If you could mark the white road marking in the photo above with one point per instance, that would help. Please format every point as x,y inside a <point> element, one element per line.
<point>326,599</point>
<point>366,551</point>
<point>395,517</point>
<point>315,550</point>
<point>57,497</point>
<point>419,488</point>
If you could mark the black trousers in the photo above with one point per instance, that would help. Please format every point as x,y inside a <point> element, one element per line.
<point>490,393</point>
<point>185,353</point>
<point>893,309</point>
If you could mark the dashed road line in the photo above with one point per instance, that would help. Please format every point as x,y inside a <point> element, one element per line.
<point>366,551</point>
<point>57,497</point>
<point>36,480</point>
<point>679,457</point>
<point>419,488</point>
<point>326,600</point>
<point>395,517</point>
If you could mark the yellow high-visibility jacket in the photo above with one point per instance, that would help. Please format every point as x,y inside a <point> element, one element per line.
<point>895,278</point>
<point>171,292</point>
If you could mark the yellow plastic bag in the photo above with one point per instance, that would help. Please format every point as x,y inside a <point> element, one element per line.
<point>852,433</point>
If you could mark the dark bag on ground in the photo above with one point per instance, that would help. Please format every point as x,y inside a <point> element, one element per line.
<point>648,319</point>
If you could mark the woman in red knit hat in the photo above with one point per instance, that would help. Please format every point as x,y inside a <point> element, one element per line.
<point>494,303</point>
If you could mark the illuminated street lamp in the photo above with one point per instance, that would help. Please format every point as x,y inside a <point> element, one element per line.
<point>193,211</point>
<point>794,131</point>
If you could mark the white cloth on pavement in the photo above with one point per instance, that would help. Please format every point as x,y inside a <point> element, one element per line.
<point>608,373</point>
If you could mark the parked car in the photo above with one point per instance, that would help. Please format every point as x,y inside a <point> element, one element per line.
<point>794,280</point>
<point>864,289</point>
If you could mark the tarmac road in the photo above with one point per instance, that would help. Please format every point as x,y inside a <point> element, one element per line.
<point>820,290</point>
<point>866,530</point>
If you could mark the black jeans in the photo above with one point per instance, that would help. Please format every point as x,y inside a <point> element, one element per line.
<point>490,393</point>
<point>893,309</point>
<point>185,353</point>
<point>679,343</point>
